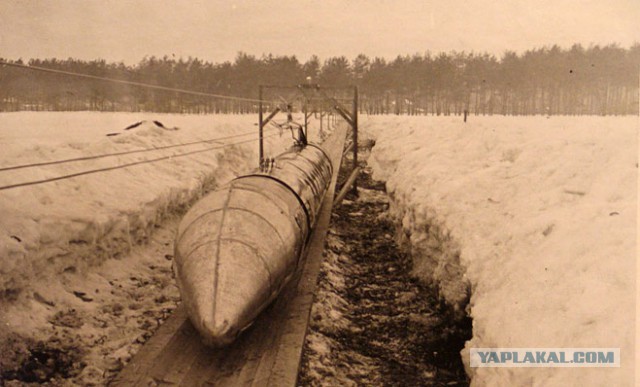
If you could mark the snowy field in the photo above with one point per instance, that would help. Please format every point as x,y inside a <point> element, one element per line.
<point>77,223</point>
<point>532,218</point>
<point>535,217</point>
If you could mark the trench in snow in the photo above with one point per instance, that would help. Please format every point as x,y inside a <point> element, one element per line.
<point>372,323</point>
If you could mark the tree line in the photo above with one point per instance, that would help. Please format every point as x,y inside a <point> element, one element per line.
<point>599,80</point>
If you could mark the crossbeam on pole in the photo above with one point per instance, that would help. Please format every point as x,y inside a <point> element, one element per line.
<point>270,116</point>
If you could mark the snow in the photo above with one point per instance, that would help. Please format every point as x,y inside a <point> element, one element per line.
<point>82,221</point>
<point>94,252</point>
<point>535,217</point>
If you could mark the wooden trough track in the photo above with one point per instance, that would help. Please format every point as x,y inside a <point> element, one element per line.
<point>266,354</point>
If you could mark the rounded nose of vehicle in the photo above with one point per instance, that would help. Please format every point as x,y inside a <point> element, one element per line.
<point>223,284</point>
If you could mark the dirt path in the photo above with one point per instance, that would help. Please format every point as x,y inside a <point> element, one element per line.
<point>373,324</point>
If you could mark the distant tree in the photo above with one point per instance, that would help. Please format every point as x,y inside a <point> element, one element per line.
<point>336,72</point>
<point>546,80</point>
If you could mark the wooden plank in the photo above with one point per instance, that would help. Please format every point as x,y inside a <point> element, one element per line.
<point>270,116</point>
<point>284,371</point>
<point>147,356</point>
<point>266,354</point>
<point>350,181</point>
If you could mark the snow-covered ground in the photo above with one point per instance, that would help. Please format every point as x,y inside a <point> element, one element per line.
<point>85,262</point>
<point>80,222</point>
<point>535,216</point>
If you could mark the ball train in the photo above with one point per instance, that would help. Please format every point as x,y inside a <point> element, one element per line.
<point>237,247</point>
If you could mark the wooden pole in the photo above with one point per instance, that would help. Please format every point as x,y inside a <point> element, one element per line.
<point>348,149</point>
<point>345,188</point>
<point>355,137</point>
<point>305,118</point>
<point>260,126</point>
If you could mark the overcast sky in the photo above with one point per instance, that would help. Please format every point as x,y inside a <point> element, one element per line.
<point>216,30</point>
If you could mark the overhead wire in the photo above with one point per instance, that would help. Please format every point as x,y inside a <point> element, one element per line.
<point>138,84</point>
<point>104,155</point>
<point>131,83</point>
<point>105,169</point>
<point>150,86</point>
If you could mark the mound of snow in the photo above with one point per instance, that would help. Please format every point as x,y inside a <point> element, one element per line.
<point>537,215</point>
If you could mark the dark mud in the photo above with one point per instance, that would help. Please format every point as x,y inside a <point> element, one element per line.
<point>41,362</point>
<point>374,324</point>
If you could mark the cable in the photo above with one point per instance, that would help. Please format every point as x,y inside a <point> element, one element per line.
<point>147,85</point>
<point>14,167</point>
<point>34,182</point>
<point>132,83</point>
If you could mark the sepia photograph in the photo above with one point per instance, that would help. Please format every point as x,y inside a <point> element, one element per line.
<point>319,193</point>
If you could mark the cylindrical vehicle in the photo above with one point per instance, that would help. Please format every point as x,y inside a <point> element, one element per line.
<point>238,246</point>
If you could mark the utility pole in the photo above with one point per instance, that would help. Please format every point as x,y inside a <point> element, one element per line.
<point>260,125</point>
<point>355,136</point>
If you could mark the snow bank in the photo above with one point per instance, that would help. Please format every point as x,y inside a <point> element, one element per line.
<point>537,215</point>
<point>75,223</point>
